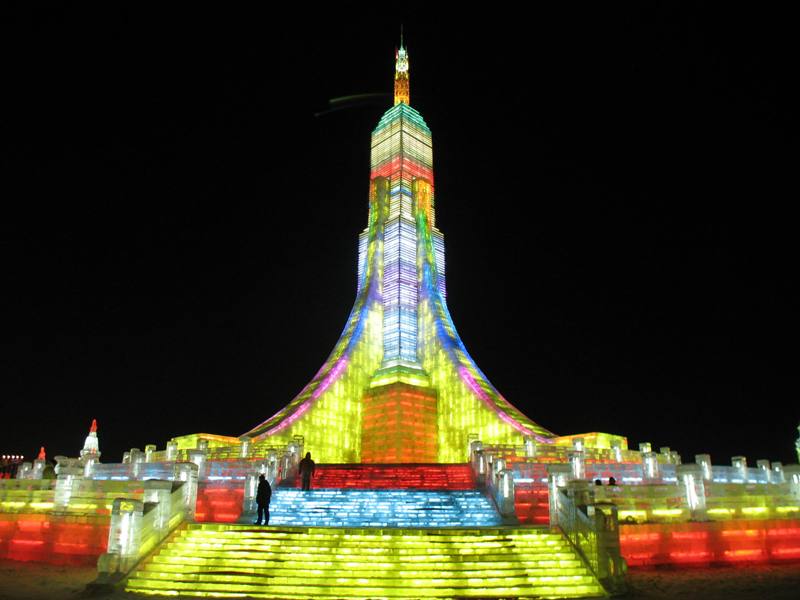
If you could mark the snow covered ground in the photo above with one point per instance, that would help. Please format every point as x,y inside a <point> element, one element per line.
<point>33,581</point>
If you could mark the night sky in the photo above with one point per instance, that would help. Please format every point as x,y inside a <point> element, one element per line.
<point>179,238</point>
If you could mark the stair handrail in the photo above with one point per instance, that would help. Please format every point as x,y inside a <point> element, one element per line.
<point>592,528</point>
<point>491,473</point>
<point>139,526</point>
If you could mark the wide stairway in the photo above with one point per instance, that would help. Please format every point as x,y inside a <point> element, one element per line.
<point>226,560</point>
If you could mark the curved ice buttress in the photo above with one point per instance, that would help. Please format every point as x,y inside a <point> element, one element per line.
<point>468,372</point>
<point>338,366</point>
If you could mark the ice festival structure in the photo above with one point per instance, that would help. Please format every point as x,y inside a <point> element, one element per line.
<point>429,483</point>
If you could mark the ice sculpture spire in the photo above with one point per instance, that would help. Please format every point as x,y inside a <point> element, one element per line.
<point>91,445</point>
<point>402,90</point>
<point>399,385</point>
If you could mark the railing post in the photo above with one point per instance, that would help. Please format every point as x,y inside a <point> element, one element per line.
<point>704,460</point>
<point>125,532</point>
<point>249,500</point>
<point>187,472</point>
<point>578,463</point>
<point>505,493</point>
<point>478,462</point>
<point>691,476</point>
<point>777,473</point>
<point>557,477</point>
<point>740,464</point>
<point>198,457</point>
<point>766,470</point>
<point>269,467</point>
<point>650,465</point>
<point>616,447</point>
<point>160,493</point>
<point>38,468</point>
<point>136,458</point>
<point>530,447</point>
<point>244,448</point>
<point>172,451</point>
<point>792,474</point>
<point>66,485</point>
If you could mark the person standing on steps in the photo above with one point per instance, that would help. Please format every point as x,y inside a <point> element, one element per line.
<point>263,496</point>
<point>306,469</point>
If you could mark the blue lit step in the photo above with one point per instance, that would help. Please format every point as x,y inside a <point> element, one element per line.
<point>382,508</point>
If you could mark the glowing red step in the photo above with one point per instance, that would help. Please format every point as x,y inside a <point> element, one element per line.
<point>397,476</point>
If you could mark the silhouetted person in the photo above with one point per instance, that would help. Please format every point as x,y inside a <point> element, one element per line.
<point>598,482</point>
<point>306,468</point>
<point>263,496</point>
<point>612,481</point>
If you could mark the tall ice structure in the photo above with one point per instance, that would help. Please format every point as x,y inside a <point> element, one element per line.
<point>399,385</point>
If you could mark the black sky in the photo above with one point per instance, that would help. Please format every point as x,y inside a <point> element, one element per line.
<point>613,183</point>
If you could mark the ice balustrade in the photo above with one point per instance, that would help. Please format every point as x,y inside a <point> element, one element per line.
<point>68,494</point>
<point>657,488</point>
<point>593,530</point>
<point>138,526</point>
<point>691,497</point>
<point>543,453</point>
<point>491,472</point>
<point>227,449</point>
<point>65,521</point>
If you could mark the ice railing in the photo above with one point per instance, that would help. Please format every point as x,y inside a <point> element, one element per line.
<point>592,528</point>
<point>215,449</point>
<point>138,526</point>
<point>657,488</point>
<point>491,473</point>
<point>529,460</point>
<point>87,487</point>
<point>68,495</point>
<point>214,462</point>
<point>694,498</point>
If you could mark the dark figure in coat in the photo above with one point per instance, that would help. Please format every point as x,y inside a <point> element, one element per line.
<point>306,468</point>
<point>263,496</point>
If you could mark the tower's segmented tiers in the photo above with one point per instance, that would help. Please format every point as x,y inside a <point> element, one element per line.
<point>399,385</point>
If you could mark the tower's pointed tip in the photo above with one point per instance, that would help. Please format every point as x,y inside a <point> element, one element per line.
<point>93,428</point>
<point>42,454</point>
<point>402,92</point>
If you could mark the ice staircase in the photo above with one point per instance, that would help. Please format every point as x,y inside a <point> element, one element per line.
<point>382,508</point>
<point>227,560</point>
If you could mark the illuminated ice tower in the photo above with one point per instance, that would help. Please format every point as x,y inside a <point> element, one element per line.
<point>399,385</point>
